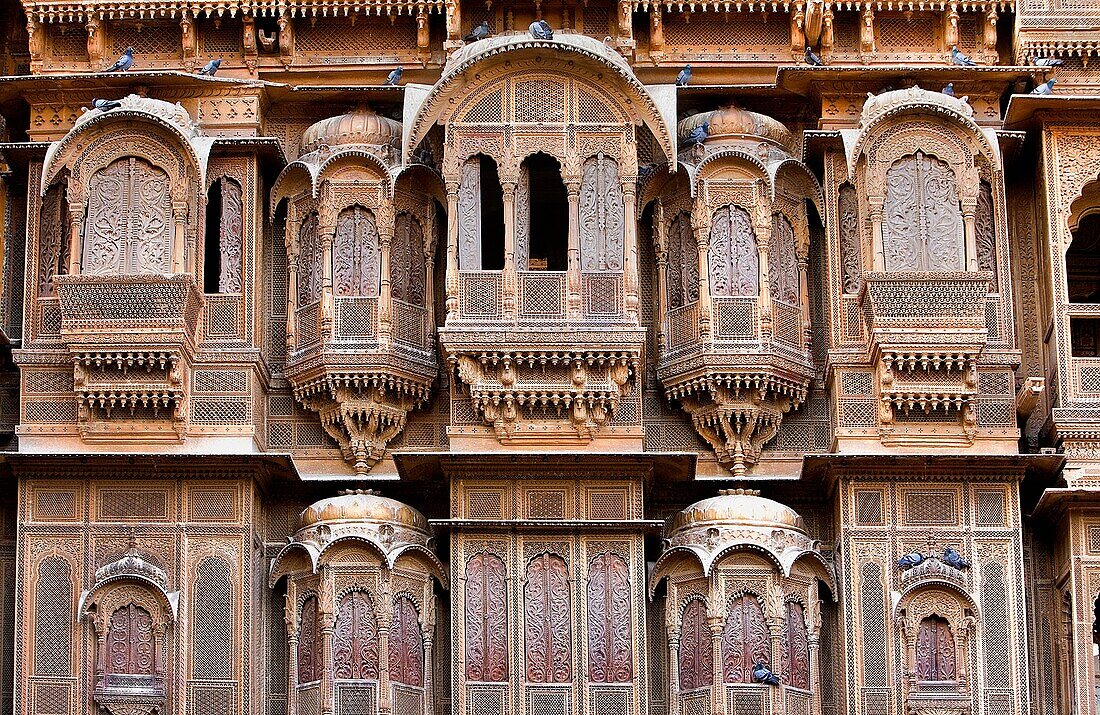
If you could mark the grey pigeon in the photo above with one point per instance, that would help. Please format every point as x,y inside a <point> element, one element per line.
<point>1045,88</point>
<point>211,67</point>
<point>952,559</point>
<point>479,33</point>
<point>541,30</point>
<point>123,63</point>
<point>106,105</point>
<point>395,76</point>
<point>812,59</point>
<point>647,170</point>
<point>1047,61</point>
<point>949,90</point>
<point>960,59</point>
<point>698,134</point>
<point>684,77</point>
<point>910,560</point>
<point>763,674</point>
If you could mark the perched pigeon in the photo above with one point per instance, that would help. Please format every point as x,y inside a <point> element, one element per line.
<point>647,170</point>
<point>698,134</point>
<point>211,68</point>
<point>1047,61</point>
<point>763,674</point>
<point>106,105</point>
<point>812,59</point>
<point>910,560</point>
<point>684,77</point>
<point>960,59</point>
<point>949,90</point>
<point>395,76</point>
<point>1045,88</point>
<point>123,63</point>
<point>952,558</point>
<point>479,33</point>
<point>541,30</point>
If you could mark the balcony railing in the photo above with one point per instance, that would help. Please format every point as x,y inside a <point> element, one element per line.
<point>127,304</point>
<point>736,319</point>
<point>540,296</point>
<point>356,318</point>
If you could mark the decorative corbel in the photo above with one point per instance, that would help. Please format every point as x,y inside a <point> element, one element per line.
<point>867,32</point>
<point>95,41</point>
<point>187,40</point>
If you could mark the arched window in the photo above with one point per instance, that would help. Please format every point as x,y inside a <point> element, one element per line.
<point>682,275</point>
<point>548,632</point>
<point>745,640</point>
<point>783,262</point>
<point>935,650</point>
<point>542,216</point>
<point>922,228</point>
<point>406,644</point>
<point>309,643</point>
<point>355,638</point>
<point>53,243</point>
<point>356,255</point>
<point>602,223</point>
<point>212,620</point>
<point>310,257</point>
<point>796,647</point>
<point>480,216</point>
<point>734,261</point>
<point>130,647</point>
<point>609,626</point>
<point>1083,261</point>
<point>851,256</point>
<point>129,224</point>
<point>486,619</point>
<point>53,618</point>
<point>407,272</point>
<point>696,662</point>
<point>224,236</point>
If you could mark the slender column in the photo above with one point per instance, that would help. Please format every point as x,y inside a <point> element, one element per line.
<point>422,30</point>
<point>706,303</point>
<point>76,221</point>
<point>179,212</point>
<point>508,277</point>
<point>428,669</point>
<point>813,641</point>
<point>95,42</point>
<point>385,290</point>
<point>970,233</point>
<point>878,254</point>
<point>804,299</point>
<point>717,701</point>
<point>573,276</point>
<point>673,672</point>
<point>451,281</point>
<point>626,24</point>
<point>661,233</point>
<point>762,223</point>
<point>328,305</point>
<point>951,26</point>
<point>775,638</point>
<point>385,618</point>
<point>630,265</point>
<point>292,670</point>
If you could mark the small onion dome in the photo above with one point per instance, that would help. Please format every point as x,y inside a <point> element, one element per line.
<point>736,507</point>
<point>363,506</point>
<point>359,126</point>
<point>732,123</point>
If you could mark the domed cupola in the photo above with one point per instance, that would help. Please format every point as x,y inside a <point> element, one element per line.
<point>742,516</point>
<point>361,125</point>
<point>731,126</point>
<point>364,514</point>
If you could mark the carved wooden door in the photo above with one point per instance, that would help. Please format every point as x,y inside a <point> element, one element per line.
<point>682,275</point>
<point>795,647</point>
<point>309,643</point>
<point>745,640</point>
<point>851,254</point>
<point>935,650</point>
<point>356,255</point>
<point>355,638</point>
<point>734,260</point>
<point>548,631</point>
<point>469,216</point>
<point>407,272</point>
<point>129,225</point>
<point>310,257</point>
<point>602,223</point>
<point>406,644</point>
<point>130,648</point>
<point>696,660</point>
<point>610,658</point>
<point>783,262</point>
<point>922,229</point>
<point>230,236</point>
<point>486,619</point>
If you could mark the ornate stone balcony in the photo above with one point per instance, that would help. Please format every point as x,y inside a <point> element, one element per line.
<point>132,340</point>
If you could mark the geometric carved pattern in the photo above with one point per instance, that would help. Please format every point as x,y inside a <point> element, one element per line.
<point>995,626</point>
<point>873,608</point>
<point>54,616</point>
<point>486,619</point>
<point>745,639</point>
<point>212,621</point>
<point>609,627</point>
<point>548,631</point>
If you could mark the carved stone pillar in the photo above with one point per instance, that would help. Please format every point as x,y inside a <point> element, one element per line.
<point>630,266</point>
<point>706,304</point>
<point>717,701</point>
<point>179,213</point>
<point>814,646</point>
<point>187,39</point>
<point>763,227</point>
<point>422,31</point>
<point>385,618</point>
<point>385,290</point>
<point>328,306</point>
<point>827,37</point>
<point>451,280</point>
<point>867,30</point>
<point>508,277</point>
<point>673,671</point>
<point>970,232</point>
<point>878,253</point>
<point>798,37</point>
<point>292,670</point>
<point>76,221</point>
<point>573,275</point>
<point>626,25</point>
<point>661,235</point>
<point>328,690</point>
<point>951,26</point>
<point>454,25</point>
<point>989,35</point>
<point>248,42</point>
<point>291,292</point>
<point>35,42</point>
<point>775,643</point>
<point>428,669</point>
<point>804,298</point>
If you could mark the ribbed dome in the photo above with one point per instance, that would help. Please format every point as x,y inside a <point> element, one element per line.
<point>363,506</point>
<point>736,507</point>
<point>359,126</point>
<point>732,123</point>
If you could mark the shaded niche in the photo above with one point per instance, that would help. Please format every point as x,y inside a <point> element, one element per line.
<point>492,217</point>
<point>1083,262</point>
<point>222,240</point>
<point>545,226</point>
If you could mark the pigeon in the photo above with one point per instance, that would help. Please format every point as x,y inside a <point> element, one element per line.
<point>952,559</point>
<point>479,33</point>
<point>812,59</point>
<point>1045,88</point>
<point>541,30</point>
<point>698,134</point>
<point>647,170</point>
<point>211,68</point>
<point>949,90</point>
<point>1047,61</point>
<point>106,105</point>
<point>910,560</point>
<point>684,77</point>
<point>123,63</point>
<point>395,76</point>
<point>960,59</point>
<point>763,674</point>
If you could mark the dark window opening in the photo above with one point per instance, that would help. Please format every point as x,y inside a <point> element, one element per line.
<point>212,255</point>
<point>549,219</point>
<point>1083,261</point>
<point>492,217</point>
<point>1084,337</point>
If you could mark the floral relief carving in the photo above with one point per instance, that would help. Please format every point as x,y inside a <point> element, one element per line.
<point>355,638</point>
<point>850,244</point>
<point>935,650</point>
<point>783,262</point>
<point>683,262</point>
<point>309,643</point>
<point>734,261</point>
<point>407,272</point>
<point>356,253</point>
<point>309,261</point>
<point>547,626</point>
<point>609,627</point>
<point>230,236</point>
<point>922,228</point>
<point>469,216</point>
<point>129,225</point>
<point>486,619</point>
<point>985,231</point>
<point>406,644</point>
<point>696,659</point>
<point>744,639</point>
<point>130,649</point>
<point>52,243</point>
<point>601,216</point>
<point>523,219</point>
<point>795,647</point>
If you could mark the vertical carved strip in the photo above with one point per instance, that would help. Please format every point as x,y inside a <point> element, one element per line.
<point>309,637</point>
<point>602,216</point>
<point>745,639</point>
<point>734,258</point>
<point>523,219</point>
<point>783,262</point>
<point>355,638</point>
<point>356,255</point>
<point>406,644</point>
<point>51,240</point>
<point>696,662</point>
<point>986,232</point>
<point>53,618</point>
<point>547,627</point>
<point>469,216</point>
<point>309,261</point>
<point>851,256</point>
<point>609,643</point>
<point>230,236</point>
<point>486,624</point>
<point>796,647</point>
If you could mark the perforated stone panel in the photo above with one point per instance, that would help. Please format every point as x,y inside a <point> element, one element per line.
<point>869,511</point>
<point>484,700</point>
<point>53,614</point>
<point>212,621</point>
<point>212,699</point>
<point>360,699</point>
<point>610,701</point>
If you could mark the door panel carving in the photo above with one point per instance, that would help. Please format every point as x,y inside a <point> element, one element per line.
<point>469,216</point>
<point>52,242</point>
<point>783,262</point>
<point>683,262</point>
<point>355,638</point>
<point>985,232</point>
<point>922,228</point>
<point>734,260</point>
<point>744,639</point>
<point>602,222</point>
<point>486,619</point>
<point>230,237</point>
<point>851,254</point>
<point>309,261</point>
<point>309,643</point>
<point>523,219</point>
<point>547,629</point>
<point>130,642</point>
<point>407,272</point>
<point>935,650</point>
<point>796,647</point>
<point>609,627</point>
<point>129,224</point>
<point>406,644</point>
<point>696,661</point>
<point>356,254</point>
